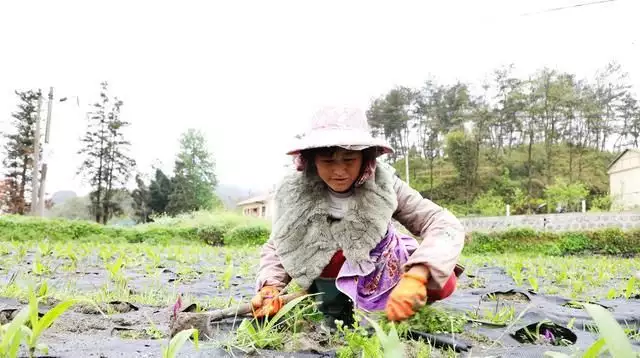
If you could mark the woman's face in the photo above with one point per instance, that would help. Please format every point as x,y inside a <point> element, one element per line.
<point>340,169</point>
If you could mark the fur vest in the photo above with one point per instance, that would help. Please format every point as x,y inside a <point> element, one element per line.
<point>304,237</point>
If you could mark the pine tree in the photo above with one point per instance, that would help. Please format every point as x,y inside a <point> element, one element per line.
<point>107,165</point>
<point>194,179</point>
<point>141,201</point>
<point>159,190</point>
<point>18,161</point>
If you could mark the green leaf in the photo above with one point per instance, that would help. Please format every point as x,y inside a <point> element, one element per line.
<point>179,340</point>
<point>594,350</point>
<point>284,310</point>
<point>50,317</point>
<point>13,327</point>
<point>614,336</point>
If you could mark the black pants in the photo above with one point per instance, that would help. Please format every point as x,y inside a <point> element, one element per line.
<point>334,304</point>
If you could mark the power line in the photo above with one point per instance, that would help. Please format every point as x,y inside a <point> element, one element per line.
<point>568,7</point>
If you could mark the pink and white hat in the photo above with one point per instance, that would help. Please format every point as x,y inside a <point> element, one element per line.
<point>344,127</point>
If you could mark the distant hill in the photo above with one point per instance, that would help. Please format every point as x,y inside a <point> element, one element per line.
<point>60,197</point>
<point>230,195</point>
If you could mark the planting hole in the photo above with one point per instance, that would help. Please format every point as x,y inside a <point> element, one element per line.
<point>122,307</point>
<point>545,333</point>
<point>510,295</point>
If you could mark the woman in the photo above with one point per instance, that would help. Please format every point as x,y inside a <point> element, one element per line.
<point>333,232</point>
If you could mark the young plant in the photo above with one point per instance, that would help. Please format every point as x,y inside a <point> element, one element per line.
<point>254,335</point>
<point>176,343</point>
<point>115,271</point>
<point>613,338</point>
<point>39,325</point>
<point>11,334</point>
<point>228,274</point>
<point>392,347</point>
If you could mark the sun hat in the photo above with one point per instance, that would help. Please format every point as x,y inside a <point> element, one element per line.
<point>339,126</point>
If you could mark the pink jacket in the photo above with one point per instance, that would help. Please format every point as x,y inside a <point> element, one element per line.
<point>441,233</point>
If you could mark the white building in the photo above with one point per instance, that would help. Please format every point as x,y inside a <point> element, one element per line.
<point>260,206</point>
<point>624,180</point>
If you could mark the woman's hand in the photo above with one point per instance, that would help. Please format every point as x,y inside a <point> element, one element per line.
<point>409,295</point>
<point>267,302</point>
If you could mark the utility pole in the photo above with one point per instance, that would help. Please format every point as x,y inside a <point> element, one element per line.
<point>43,179</point>
<point>406,156</point>
<point>406,165</point>
<point>36,159</point>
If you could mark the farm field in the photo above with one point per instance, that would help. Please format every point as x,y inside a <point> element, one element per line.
<point>135,285</point>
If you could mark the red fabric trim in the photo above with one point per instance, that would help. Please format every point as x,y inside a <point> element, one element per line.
<point>334,266</point>
<point>446,291</point>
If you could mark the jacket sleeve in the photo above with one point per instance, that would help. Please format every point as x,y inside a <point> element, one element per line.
<point>441,232</point>
<point>270,271</point>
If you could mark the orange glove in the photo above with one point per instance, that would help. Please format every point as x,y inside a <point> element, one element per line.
<point>406,297</point>
<point>267,302</point>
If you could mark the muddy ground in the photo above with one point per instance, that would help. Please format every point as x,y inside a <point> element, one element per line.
<point>137,314</point>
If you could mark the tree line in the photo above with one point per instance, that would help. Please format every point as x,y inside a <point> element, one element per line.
<point>108,166</point>
<point>511,135</point>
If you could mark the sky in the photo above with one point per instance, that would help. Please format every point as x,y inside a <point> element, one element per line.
<point>249,74</point>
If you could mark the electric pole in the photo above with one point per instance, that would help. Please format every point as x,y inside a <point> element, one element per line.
<point>43,179</point>
<point>406,165</point>
<point>36,159</point>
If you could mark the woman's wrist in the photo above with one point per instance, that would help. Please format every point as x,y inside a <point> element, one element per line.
<point>419,270</point>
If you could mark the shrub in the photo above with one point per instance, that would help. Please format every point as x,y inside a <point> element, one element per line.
<point>604,241</point>
<point>212,234</point>
<point>235,230</point>
<point>252,234</point>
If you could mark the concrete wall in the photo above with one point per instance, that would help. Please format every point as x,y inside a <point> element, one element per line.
<point>553,222</point>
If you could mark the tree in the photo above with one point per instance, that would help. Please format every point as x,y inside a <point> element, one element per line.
<point>18,161</point>
<point>461,149</point>
<point>160,189</point>
<point>141,201</point>
<point>194,178</point>
<point>107,166</point>
<point>537,128</point>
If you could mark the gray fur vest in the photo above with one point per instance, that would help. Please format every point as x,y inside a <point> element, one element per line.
<point>306,240</point>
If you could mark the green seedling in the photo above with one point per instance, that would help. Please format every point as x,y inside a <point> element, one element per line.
<point>45,248</point>
<point>22,252</point>
<point>12,333</point>
<point>269,334</point>
<point>357,341</point>
<point>613,338</point>
<point>228,274</point>
<point>176,343</point>
<point>392,347</point>
<point>630,289</point>
<point>39,325</point>
<point>533,281</point>
<point>38,268</point>
<point>115,271</point>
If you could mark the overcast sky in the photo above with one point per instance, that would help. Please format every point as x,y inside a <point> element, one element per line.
<point>250,73</point>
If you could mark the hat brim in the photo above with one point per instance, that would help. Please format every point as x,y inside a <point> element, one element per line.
<point>348,139</point>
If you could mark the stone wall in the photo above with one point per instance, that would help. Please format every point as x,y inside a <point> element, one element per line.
<point>553,222</point>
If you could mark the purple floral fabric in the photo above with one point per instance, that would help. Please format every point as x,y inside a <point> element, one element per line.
<point>369,285</point>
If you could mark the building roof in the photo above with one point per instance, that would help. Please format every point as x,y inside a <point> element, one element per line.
<point>256,199</point>
<point>621,155</point>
